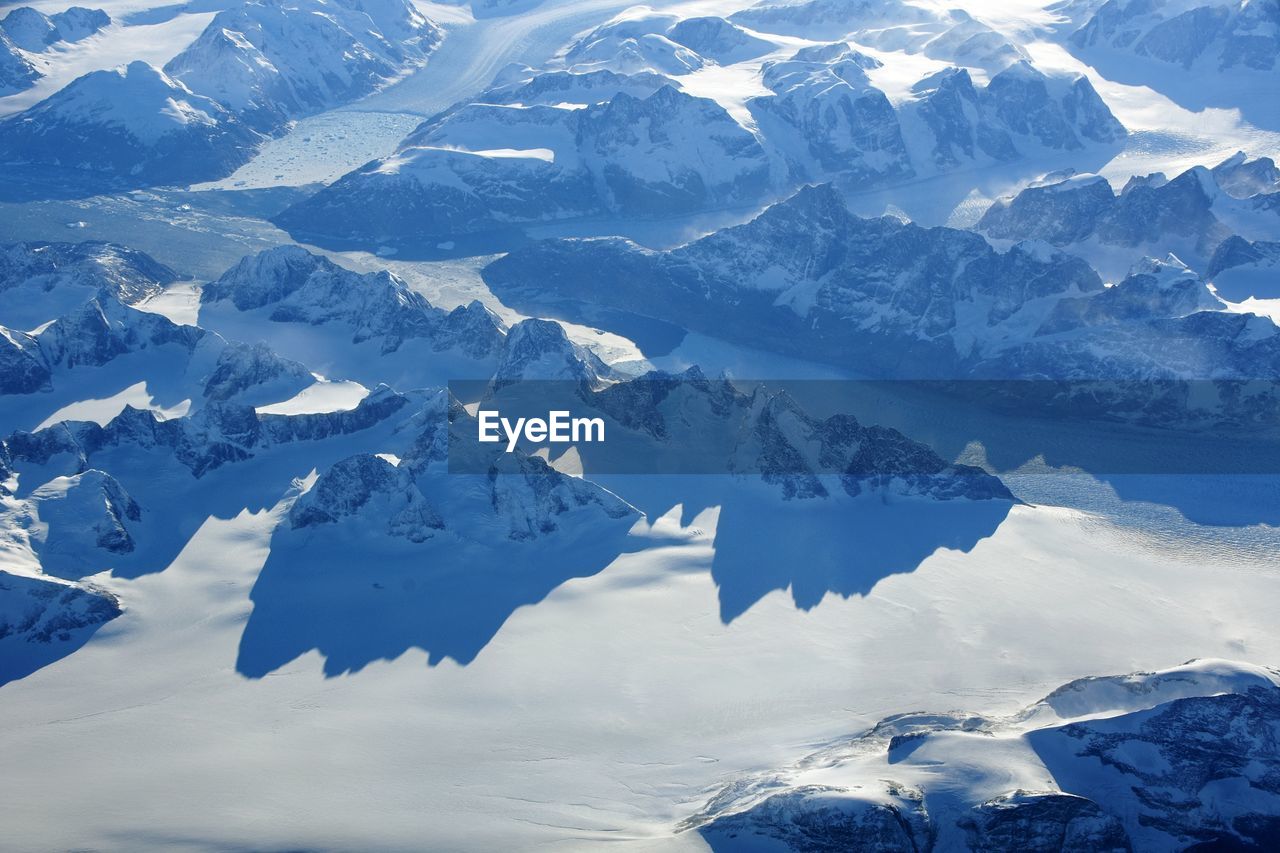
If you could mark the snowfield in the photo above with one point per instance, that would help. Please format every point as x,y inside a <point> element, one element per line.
<point>263,261</point>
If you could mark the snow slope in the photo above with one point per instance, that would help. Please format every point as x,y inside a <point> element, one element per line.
<point>134,125</point>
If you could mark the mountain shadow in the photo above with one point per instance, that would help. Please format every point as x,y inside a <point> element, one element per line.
<point>43,621</point>
<point>837,544</point>
<point>358,598</point>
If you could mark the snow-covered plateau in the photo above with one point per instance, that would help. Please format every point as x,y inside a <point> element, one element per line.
<point>935,351</point>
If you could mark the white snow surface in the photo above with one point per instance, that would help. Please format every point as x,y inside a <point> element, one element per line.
<point>611,709</point>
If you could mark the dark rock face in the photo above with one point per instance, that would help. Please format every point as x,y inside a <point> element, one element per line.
<point>42,611</point>
<point>374,491</point>
<point>824,104</point>
<point>16,71</point>
<point>23,368</point>
<point>823,819</point>
<point>244,366</point>
<point>1146,211</point>
<point>1180,759</point>
<point>1241,268</point>
<point>1184,737</point>
<point>300,287</point>
<point>219,434</point>
<point>808,278</point>
<point>1020,97</point>
<point>540,350</point>
<point>947,101</point>
<point>1044,822</point>
<point>127,274</point>
<point>1212,36</point>
<point>1059,214</point>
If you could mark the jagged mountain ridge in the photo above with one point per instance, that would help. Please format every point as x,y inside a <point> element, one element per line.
<point>807,278</point>
<point>916,781</point>
<point>1190,214</point>
<point>41,268</point>
<point>1209,37</point>
<point>296,286</point>
<point>104,329</point>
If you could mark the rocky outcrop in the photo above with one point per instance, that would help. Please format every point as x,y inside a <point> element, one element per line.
<point>127,274</point>
<point>1132,762</point>
<point>294,286</point>
<point>373,494</point>
<point>83,515</point>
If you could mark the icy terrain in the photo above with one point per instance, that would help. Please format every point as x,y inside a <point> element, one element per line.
<point>263,261</point>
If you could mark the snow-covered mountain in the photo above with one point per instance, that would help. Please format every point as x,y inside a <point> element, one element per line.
<point>269,61</point>
<point>291,285</point>
<point>105,328</point>
<point>17,71</point>
<point>819,18</point>
<point>39,281</point>
<point>216,435</point>
<point>881,297</point>
<point>948,35</point>
<point>1240,269</point>
<point>372,489</point>
<point>24,367</point>
<point>1019,111</point>
<point>808,278</point>
<point>133,126</point>
<point>691,424</point>
<point>1188,215</point>
<point>1242,177</point>
<point>34,31</point>
<point>252,534</point>
<point>1132,762</point>
<point>1209,37</point>
<point>540,350</point>
<point>63,362</point>
<point>665,153</point>
<point>79,515</point>
<point>619,135</point>
<point>42,619</point>
<point>827,118</point>
<point>527,86</point>
<point>668,44</point>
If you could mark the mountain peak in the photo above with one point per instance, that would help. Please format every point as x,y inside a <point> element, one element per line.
<point>540,350</point>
